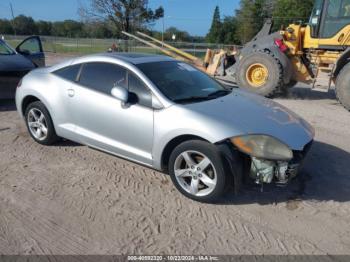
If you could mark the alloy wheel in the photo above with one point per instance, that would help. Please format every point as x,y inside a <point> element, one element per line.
<point>195,173</point>
<point>37,124</point>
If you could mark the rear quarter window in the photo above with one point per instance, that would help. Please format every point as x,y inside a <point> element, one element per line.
<point>69,73</point>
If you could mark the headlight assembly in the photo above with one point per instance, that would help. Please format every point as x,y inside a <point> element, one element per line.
<point>263,147</point>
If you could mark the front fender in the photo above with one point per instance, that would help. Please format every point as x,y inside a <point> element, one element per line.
<point>162,139</point>
<point>234,163</point>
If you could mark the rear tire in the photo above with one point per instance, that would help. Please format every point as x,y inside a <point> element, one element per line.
<point>198,171</point>
<point>267,76</point>
<point>39,124</point>
<point>342,87</point>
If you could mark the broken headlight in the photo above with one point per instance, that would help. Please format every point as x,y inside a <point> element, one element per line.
<point>263,147</point>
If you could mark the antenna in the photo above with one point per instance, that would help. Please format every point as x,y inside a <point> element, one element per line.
<point>13,19</point>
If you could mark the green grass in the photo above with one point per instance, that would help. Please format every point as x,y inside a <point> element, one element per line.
<point>13,43</point>
<point>86,47</point>
<point>71,48</point>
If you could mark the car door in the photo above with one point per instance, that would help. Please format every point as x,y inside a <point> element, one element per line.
<point>62,86</point>
<point>104,122</point>
<point>32,49</point>
<point>13,67</point>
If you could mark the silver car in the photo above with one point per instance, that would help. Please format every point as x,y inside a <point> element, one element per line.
<point>167,115</point>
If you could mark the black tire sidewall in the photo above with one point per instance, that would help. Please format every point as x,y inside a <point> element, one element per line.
<point>274,78</point>
<point>342,87</point>
<point>291,84</point>
<point>51,134</point>
<point>213,154</point>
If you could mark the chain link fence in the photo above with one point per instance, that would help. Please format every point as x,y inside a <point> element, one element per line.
<point>66,45</point>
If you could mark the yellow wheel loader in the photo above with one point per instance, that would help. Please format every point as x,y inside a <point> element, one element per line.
<point>317,54</point>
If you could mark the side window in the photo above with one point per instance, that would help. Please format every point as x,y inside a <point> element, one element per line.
<point>4,49</point>
<point>142,94</point>
<point>102,77</point>
<point>31,46</point>
<point>336,18</point>
<point>315,18</point>
<point>345,9</point>
<point>333,9</point>
<point>70,73</point>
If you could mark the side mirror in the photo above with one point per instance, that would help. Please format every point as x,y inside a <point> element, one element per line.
<point>120,93</point>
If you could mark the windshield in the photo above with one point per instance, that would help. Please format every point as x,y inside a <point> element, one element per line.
<point>5,49</point>
<point>182,83</point>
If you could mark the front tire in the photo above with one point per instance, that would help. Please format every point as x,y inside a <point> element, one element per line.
<point>197,171</point>
<point>342,87</point>
<point>39,124</point>
<point>261,73</point>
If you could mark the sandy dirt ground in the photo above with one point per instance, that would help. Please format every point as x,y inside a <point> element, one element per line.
<point>69,199</point>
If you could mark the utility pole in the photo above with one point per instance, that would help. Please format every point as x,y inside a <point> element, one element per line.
<point>163,32</point>
<point>13,19</point>
<point>163,23</point>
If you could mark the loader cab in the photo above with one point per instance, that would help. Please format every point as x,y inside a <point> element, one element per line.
<point>315,19</point>
<point>329,19</point>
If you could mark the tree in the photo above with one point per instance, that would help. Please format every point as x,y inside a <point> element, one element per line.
<point>58,29</point>
<point>229,31</point>
<point>181,36</point>
<point>215,34</point>
<point>6,27</point>
<point>251,17</point>
<point>44,27</point>
<point>98,29</point>
<point>73,28</point>
<point>68,28</point>
<point>289,11</point>
<point>25,25</point>
<point>126,15</point>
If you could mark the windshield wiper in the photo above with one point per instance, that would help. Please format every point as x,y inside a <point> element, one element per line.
<point>213,95</point>
<point>219,93</point>
<point>192,99</point>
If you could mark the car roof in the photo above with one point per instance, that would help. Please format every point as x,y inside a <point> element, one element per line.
<point>135,58</point>
<point>129,58</point>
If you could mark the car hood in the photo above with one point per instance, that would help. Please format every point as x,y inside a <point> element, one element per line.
<point>15,62</point>
<point>243,112</point>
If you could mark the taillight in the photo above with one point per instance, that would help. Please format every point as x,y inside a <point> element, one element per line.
<point>283,48</point>
<point>19,83</point>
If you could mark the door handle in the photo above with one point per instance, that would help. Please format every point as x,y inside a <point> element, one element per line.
<point>71,92</point>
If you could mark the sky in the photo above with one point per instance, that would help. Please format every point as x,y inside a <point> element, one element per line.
<point>193,16</point>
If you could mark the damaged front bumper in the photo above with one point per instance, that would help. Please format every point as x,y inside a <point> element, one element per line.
<point>262,171</point>
<point>281,172</point>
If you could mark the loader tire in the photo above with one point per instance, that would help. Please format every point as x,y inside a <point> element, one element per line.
<point>261,73</point>
<point>342,87</point>
<point>292,83</point>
